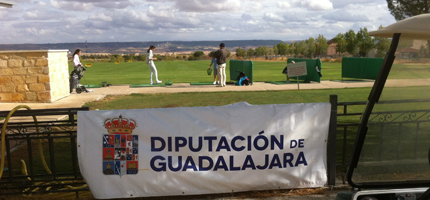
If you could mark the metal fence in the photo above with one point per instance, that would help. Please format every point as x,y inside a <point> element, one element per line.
<point>41,155</point>
<point>344,126</point>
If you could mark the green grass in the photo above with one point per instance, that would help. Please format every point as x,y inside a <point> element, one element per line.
<point>195,71</point>
<point>194,99</point>
<point>185,72</point>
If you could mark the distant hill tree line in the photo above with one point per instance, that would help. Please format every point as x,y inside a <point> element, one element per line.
<point>360,43</point>
<point>142,57</point>
<point>309,48</point>
<point>355,44</point>
<point>200,55</point>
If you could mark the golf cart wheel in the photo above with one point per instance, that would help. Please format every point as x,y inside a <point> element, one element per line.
<point>78,90</point>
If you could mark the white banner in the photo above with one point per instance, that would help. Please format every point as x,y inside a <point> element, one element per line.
<point>202,150</point>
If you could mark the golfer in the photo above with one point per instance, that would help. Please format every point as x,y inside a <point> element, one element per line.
<point>215,70</point>
<point>76,64</point>
<point>221,58</point>
<point>150,61</point>
<point>76,61</point>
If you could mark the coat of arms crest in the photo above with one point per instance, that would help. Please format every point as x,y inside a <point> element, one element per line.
<point>120,147</point>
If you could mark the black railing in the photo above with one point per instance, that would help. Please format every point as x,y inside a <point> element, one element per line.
<point>41,157</point>
<point>41,153</point>
<point>344,126</point>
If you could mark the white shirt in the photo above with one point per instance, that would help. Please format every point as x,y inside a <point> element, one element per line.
<point>76,61</point>
<point>149,57</point>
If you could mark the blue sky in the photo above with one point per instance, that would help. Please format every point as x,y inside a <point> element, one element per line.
<point>64,21</point>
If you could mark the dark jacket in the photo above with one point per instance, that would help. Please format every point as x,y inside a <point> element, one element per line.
<point>221,56</point>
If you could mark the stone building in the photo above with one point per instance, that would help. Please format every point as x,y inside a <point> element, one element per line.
<point>39,76</point>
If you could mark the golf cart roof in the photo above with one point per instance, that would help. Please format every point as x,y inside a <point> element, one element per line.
<point>417,27</point>
<point>6,4</point>
<point>391,148</point>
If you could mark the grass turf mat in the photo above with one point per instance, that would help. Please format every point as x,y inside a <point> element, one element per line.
<point>284,82</point>
<point>147,85</point>
<point>202,83</point>
<point>93,86</point>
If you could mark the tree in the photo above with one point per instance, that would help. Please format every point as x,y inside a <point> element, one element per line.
<point>291,49</point>
<point>282,48</point>
<point>296,51</point>
<point>340,43</point>
<point>240,52</point>
<point>159,58</point>
<point>351,42</point>
<point>211,54</point>
<point>191,57</point>
<point>120,58</point>
<point>250,52</point>
<point>311,47</point>
<point>365,42</point>
<point>382,45</point>
<point>113,58</point>
<point>270,51</point>
<point>142,57</point>
<point>168,57</point>
<point>322,45</point>
<point>198,54</point>
<point>228,53</point>
<point>301,48</point>
<point>423,52</point>
<point>260,51</point>
<point>402,9</point>
<point>275,50</point>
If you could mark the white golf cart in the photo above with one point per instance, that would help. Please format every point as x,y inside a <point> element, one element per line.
<point>390,158</point>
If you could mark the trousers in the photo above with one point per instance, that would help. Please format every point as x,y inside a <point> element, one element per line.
<point>153,70</point>
<point>222,75</point>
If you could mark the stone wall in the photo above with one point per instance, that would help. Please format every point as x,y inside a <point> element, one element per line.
<point>33,76</point>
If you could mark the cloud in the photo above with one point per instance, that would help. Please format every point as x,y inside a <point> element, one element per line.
<point>272,17</point>
<point>297,17</point>
<point>43,14</point>
<point>30,15</point>
<point>74,6</point>
<point>254,7</point>
<point>246,16</point>
<point>40,3</point>
<point>3,14</point>
<point>100,17</point>
<point>343,3</point>
<point>85,5</point>
<point>42,21</point>
<point>160,12</point>
<point>345,16</point>
<point>114,5</point>
<point>205,5</point>
<point>283,4</point>
<point>317,4</point>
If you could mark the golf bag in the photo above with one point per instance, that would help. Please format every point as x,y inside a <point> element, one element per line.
<point>242,79</point>
<point>75,76</point>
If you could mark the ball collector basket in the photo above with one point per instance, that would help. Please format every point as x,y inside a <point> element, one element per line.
<point>209,71</point>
